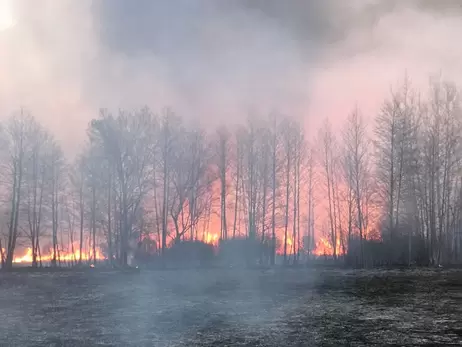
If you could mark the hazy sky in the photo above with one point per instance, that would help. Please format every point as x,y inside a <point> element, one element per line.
<point>217,60</point>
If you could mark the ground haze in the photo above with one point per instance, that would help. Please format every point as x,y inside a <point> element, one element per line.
<point>231,308</point>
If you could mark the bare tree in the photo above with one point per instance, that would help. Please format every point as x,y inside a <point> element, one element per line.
<point>311,191</point>
<point>127,143</point>
<point>356,147</point>
<point>239,162</point>
<point>390,136</point>
<point>328,162</point>
<point>189,179</point>
<point>298,152</point>
<point>77,179</point>
<point>36,183</point>
<point>441,127</point>
<point>56,164</point>
<point>250,174</point>
<point>223,165</point>
<point>17,133</point>
<point>275,166</point>
<point>288,153</point>
<point>263,175</point>
<point>167,135</point>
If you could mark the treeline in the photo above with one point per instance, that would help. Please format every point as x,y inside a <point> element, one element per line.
<point>400,179</point>
<point>144,176</point>
<point>418,164</point>
<point>156,177</point>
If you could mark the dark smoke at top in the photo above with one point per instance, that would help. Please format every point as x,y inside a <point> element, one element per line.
<point>212,61</point>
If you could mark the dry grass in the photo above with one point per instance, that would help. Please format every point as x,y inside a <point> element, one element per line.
<point>231,308</point>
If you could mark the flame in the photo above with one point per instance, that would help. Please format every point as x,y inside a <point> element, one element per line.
<point>211,238</point>
<point>63,256</point>
<point>26,258</point>
<point>290,245</point>
<point>324,247</point>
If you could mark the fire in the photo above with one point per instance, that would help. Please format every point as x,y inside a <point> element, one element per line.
<point>324,247</point>
<point>26,258</point>
<point>290,246</point>
<point>62,256</point>
<point>211,238</point>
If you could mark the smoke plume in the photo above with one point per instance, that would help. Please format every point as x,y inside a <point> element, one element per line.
<point>217,60</point>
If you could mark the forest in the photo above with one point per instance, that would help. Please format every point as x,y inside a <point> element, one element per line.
<point>383,188</point>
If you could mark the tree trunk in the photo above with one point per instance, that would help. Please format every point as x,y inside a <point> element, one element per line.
<point>93,222</point>
<point>273,205</point>
<point>286,220</point>
<point>82,212</point>
<point>109,220</point>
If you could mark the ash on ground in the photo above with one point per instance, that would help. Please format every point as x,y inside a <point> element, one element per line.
<point>231,307</point>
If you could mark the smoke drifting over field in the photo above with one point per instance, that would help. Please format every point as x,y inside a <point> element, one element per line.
<point>139,178</point>
<point>215,60</point>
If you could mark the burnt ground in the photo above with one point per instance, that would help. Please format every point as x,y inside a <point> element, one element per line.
<point>231,308</point>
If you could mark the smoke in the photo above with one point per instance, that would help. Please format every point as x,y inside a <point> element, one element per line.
<point>212,61</point>
<point>390,39</point>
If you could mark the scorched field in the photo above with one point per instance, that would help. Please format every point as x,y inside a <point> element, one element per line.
<point>231,308</point>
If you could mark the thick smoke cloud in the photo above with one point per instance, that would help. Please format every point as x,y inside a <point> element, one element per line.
<point>217,60</point>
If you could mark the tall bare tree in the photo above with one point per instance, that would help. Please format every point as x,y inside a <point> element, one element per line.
<point>56,165</point>
<point>127,143</point>
<point>36,183</point>
<point>275,166</point>
<point>223,165</point>
<point>17,133</point>
<point>328,163</point>
<point>356,146</point>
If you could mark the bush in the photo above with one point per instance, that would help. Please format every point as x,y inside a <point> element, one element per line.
<point>387,253</point>
<point>244,252</point>
<point>190,254</point>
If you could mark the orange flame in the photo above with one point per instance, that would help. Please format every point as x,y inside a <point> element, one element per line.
<point>324,247</point>
<point>211,238</point>
<point>290,246</point>
<point>63,256</point>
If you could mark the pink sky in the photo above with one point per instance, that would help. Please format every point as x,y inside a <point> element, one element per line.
<point>52,63</point>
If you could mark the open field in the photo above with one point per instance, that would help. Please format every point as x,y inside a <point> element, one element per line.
<point>231,308</point>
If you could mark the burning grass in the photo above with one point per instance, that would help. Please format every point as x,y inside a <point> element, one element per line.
<point>60,256</point>
<point>231,308</point>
